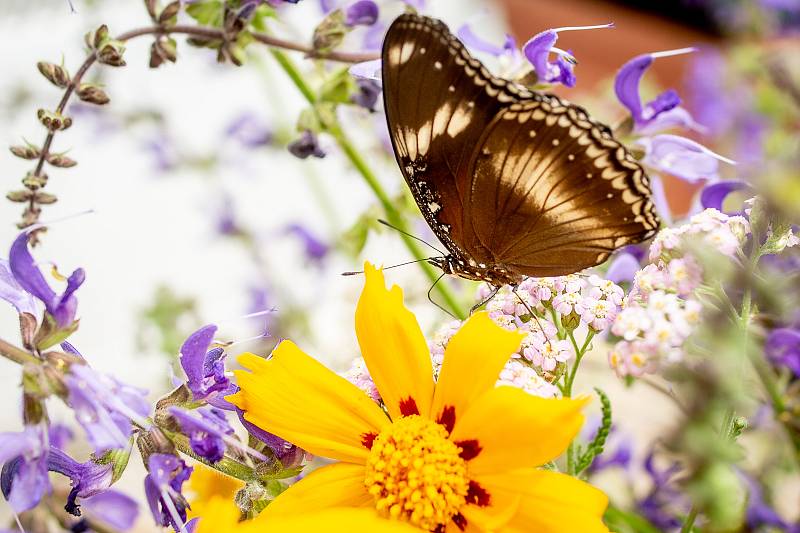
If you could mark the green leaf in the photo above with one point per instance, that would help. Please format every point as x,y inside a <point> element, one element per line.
<point>260,16</point>
<point>207,13</point>
<point>338,87</point>
<point>595,447</point>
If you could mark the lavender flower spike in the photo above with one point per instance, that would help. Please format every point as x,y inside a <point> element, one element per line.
<point>162,487</point>
<point>24,477</point>
<point>626,86</point>
<point>538,49</point>
<point>61,307</point>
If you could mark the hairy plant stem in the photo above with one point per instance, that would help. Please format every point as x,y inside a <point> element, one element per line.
<point>18,355</point>
<point>227,466</point>
<point>194,31</point>
<point>355,158</point>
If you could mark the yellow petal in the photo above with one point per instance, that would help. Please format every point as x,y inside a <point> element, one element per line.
<point>222,514</point>
<point>336,485</point>
<point>514,429</point>
<point>337,521</point>
<point>393,347</point>
<point>206,485</point>
<point>301,401</point>
<point>473,360</point>
<point>501,508</point>
<point>551,502</point>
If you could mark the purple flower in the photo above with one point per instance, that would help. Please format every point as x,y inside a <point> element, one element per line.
<point>664,503</point>
<point>682,158</point>
<point>622,268</point>
<point>315,250</point>
<point>87,479</point>
<point>24,477</point>
<point>226,223</point>
<point>367,70</point>
<point>162,488</point>
<point>367,95</point>
<point>289,454</point>
<point>538,50</point>
<point>782,347</point>
<point>306,145</point>
<point>249,131</point>
<point>12,292</point>
<point>713,195</point>
<point>113,509</point>
<point>758,512</point>
<point>59,435</point>
<point>204,368</point>
<point>105,407</point>
<point>22,265</point>
<point>626,85</point>
<point>207,429</point>
<point>361,13</point>
<point>469,38</point>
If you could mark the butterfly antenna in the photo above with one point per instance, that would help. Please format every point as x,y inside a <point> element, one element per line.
<point>407,234</point>
<point>357,272</point>
<point>430,297</point>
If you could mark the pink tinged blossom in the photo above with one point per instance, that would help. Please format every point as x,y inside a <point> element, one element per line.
<point>520,375</point>
<point>685,275</point>
<point>573,283</point>
<point>359,376</point>
<point>631,322</point>
<point>605,289</point>
<point>566,303</point>
<point>598,314</point>
<point>632,359</point>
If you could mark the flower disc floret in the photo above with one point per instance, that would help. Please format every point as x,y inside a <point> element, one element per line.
<point>416,474</point>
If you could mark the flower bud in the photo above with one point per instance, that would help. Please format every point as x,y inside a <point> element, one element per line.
<point>19,196</point>
<point>151,8</point>
<point>27,329</point>
<point>154,441</point>
<point>45,198</point>
<point>169,14</point>
<point>61,161</point>
<point>57,75</point>
<point>25,152</point>
<point>53,120</point>
<point>100,36</point>
<point>110,53</point>
<point>34,181</point>
<point>330,33</point>
<point>571,321</point>
<point>118,459</point>
<point>92,94</point>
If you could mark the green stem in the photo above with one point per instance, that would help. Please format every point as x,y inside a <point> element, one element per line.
<point>371,179</point>
<point>227,466</point>
<point>18,355</point>
<point>688,524</point>
<point>579,353</point>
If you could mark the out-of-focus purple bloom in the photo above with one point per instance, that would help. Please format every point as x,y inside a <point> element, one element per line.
<point>61,307</point>
<point>306,145</point>
<point>472,40</point>
<point>70,349</point>
<point>368,93</point>
<point>250,131</point>
<point>112,509</point>
<point>367,70</point>
<point>782,347</point>
<point>361,13</point>
<point>327,5</point>
<point>626,86</point>
<point>709,98</point>
<point>105,407</point>
<point>204,367</point>
<point>59,435</point>
<point>12,292</point>
<point>664,504</point>
<point>162,487</point>
<point>24,477</point>
<point>682,157</point>
<point>714,194</point>
<point>758,512</point>
<point>87,479</point>
<point>660,199</point>
<point>622,268</point>
<point>538,50</point>
<point>373,37</point>
<point>315,250</point>
<point>207,429</point>
<point>165,155</point>
<point>226,219</point>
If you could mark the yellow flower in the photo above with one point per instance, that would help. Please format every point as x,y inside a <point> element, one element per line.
<point>206,485</point>
<point>460,454</point>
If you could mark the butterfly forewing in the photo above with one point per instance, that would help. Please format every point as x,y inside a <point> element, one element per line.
<point>510,181</point>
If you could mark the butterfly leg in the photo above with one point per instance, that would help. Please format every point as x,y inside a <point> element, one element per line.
<point>430,297</point>
<point>485,300</point>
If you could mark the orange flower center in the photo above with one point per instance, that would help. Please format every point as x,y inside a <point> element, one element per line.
<point>415,473</point>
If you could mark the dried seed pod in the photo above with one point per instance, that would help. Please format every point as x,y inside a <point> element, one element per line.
<point>57,75</point>
<point>156,59</point>
<point>60,160</point>
<point>110,53</point>
<point>53,121</point>
<point>19,196</point>
<point>169,13</point>
<point>25,152</point>
<point>92,94</point>
<point>34,181</point>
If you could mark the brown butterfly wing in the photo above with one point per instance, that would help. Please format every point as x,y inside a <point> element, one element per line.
<point>436,99</point>
<point>553,192</point>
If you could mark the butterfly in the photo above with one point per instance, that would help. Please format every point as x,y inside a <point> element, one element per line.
<point>512,182</point>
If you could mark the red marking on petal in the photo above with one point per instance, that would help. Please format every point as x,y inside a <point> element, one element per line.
<point>408,407</point>
<point>368,438</point>
<point>460,521</point>
<point>477,495</point>
<point>448,418</point>
<point>470,449</point>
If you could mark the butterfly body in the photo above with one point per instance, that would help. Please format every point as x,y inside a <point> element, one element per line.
<point>513,182</point>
